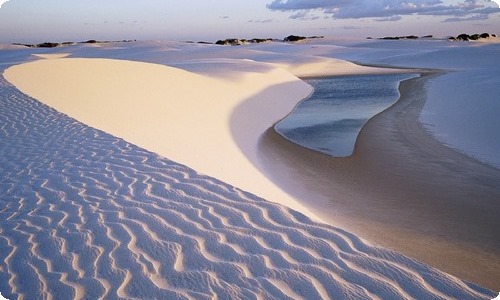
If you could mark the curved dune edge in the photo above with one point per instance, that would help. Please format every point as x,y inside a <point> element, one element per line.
<point>52,55</point>
<point>88,215</point>
<point>177,114</point>
<point>184,116</point>
<point>460,240</point>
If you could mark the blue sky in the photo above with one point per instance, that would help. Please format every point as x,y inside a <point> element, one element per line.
<point>209,20</point>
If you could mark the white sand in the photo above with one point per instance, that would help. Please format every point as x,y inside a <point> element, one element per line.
<point>52,55</point>
<point>152,228</point>
<point>178,114</point>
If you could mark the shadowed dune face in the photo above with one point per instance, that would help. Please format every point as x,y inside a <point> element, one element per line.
<point>401,189</point>
<point>88,215</point>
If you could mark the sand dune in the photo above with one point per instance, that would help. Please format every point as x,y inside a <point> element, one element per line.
<point>160,108</point>
<point>89,215</point>
<point>178,114</point>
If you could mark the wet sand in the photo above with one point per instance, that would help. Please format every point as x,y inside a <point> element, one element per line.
<point>401,189</point>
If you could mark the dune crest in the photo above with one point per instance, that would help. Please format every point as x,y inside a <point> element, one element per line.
<point>52,55</point>
<point>175,113</point>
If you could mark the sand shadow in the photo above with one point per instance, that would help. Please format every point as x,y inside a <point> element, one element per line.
<point>400,189</point>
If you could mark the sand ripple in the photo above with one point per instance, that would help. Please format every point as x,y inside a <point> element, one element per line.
<point>88,215</point>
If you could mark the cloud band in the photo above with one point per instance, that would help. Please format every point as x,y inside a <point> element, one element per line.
<point>357,9</point>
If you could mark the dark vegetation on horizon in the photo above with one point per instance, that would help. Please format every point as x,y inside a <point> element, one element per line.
<point>53,45</point>
<point>237,42</point>
<point>288,39</point>
<point>405,37</point>
<point>473,37</point>
<point>231,42</point>
<point>461,37</point>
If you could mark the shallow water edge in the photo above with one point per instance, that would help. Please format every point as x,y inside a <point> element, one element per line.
<point>401,189</point>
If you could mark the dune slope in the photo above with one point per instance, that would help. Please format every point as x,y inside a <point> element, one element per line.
<point>178,114</point>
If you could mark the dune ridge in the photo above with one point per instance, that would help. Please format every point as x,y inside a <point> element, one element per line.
<point>89,215</point>
<point>151,100</point>
<point>158,107</point>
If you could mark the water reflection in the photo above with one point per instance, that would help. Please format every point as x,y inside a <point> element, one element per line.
<point>330,120</point>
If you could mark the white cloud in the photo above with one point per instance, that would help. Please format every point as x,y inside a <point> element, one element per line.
<point>462,19</point>
<point>389,19</point>
<point>387,9</point>
<point>261,21</point>
<point>1,3</point>
<point>304,15</point>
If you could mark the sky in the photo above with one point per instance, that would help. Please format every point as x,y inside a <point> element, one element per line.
<point>31,21</point>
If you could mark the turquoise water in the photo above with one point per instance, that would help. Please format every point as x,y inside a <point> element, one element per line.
<point>330,120</point>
